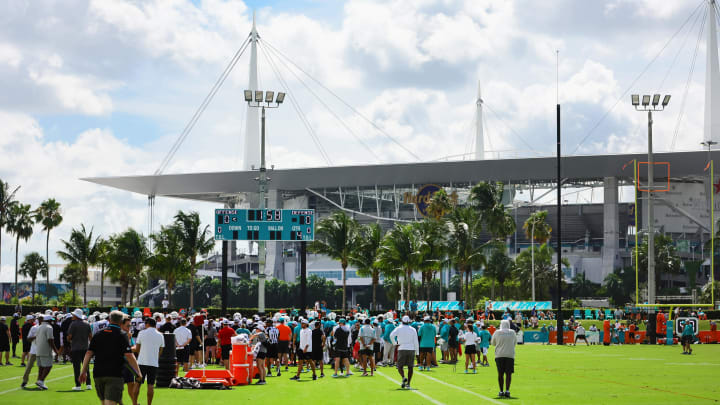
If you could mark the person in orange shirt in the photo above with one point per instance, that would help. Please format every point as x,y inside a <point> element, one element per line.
<point>285,333</point>
<point>660,327</point>
<point>631,337</point>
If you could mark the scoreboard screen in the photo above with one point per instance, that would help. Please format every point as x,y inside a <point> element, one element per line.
<point>265,224</point>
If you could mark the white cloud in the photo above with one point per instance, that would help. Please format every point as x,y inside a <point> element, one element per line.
<point>86,95</point>
<point>10,55</point>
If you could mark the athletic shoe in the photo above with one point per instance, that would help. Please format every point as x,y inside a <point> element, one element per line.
<point>22,364</point>
<point>8,364</point>
<point>407,387</point>
<point>269,374</point>
<point>474,371</point>
<point>77,388</point>
<point>278,373</point>
<point>507,394</point>
<point>466,371</point>
<point>404,383</point>
<point>314,377</point>
<point>89,387</point>
<point>334,376</point>
<point>286,368</point>
<point>260,383</point>
<point>501,394</point>
<point>295,378</point>
<point>22,385</point>
<point>41,385</point>
<point>349,374</point>
<point>322,375</point>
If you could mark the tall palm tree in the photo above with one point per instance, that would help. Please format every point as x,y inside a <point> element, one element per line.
<point>130,258</point>
<point>464,249</point>
<point>48,214</point>
<point>73,274</point>
<point>104,247</point>
<point>336,237</point>
<point>432,232</point>
<point>500,267</point>
<point>33,266</point>
<point>7,200</point>
<point>365,255</point>
<point>80,249</point>
<point>536,229</point>
<point>167,261</point>
<point>487,199</point>
<point>197,241</point>
<point>21,225</point>
<point>401,251</point>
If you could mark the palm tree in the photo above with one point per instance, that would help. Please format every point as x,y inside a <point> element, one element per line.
<point>197,241</point>
<point>432,233</point>
<point>167,261</point>
<point>545,270</point>
<point>33,266</point>
<point>130,255</point>
<point>500,267</point>
<point>536,228</point>
<point>401,252</point>
<point>73,274</point>
<point>365,255</point>
<point>336,237</point>
<point>81,250</point>
<point>48,214</point>
<point>464,249</point>
<point>104,252</point>
<point>21,225</point>
<point>7,200</point>
<point>487,198</point>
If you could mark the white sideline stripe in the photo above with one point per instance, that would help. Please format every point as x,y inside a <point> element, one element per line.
<point>429,398</point>
<point>15,378</point>
<point>54,379</point>
<point>460,388</point>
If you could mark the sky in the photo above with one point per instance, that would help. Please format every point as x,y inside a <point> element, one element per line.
<point>96,88</point>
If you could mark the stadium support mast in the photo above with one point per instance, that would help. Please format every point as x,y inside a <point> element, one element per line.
<point>479,143</point>
<point>712,81</point>
<point>251,153</point>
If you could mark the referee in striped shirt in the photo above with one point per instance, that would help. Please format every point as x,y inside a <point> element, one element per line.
<point>272,351</point>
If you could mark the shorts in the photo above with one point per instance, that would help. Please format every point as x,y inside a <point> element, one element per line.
<point>261,355</point>
<point>191,348</point>
<point>444,346</point>
<point>453,344</point>
<point>26,346</point>
<point>342,354</point>
<point>376,348</point>
<point>366,352</point>
<point>44,361</point>
<point>128,376</point>
<point>149,373</point>
<point>225,352</point>
<point>505,365</point>
<point>182,355</point>
<point>405,358</point>
<point>317,355</point>
<point>687,339</point>
<point>305,356</point>
<point>272,350</point>
<point>283,346</point>
<point>109,388</point>
<point>484,351</point>
<point>4,346</point>
<point>470,349</point>
<point>580,337</point>
<point>427,349</point>
<point>210,342</point>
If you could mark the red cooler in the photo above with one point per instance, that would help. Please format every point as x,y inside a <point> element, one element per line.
<point>239,354</point>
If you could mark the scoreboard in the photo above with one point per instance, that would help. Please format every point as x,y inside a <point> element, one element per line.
<point>265,224</point>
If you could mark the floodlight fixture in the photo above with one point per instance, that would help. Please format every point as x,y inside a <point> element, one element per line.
<point>270,94</point>
<point>258,96</point>
<point>656,100</point>
<point>248,95</point>
<point>645,100</point>
<point>635,99</point>
<point>666,100</point>
<point>280,98</point>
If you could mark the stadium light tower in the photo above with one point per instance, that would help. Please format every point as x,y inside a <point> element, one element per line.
<point>262,99</point>
<point>650,104</point>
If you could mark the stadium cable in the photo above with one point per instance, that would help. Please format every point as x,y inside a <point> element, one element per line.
<point>369,121</point>
<point>677,55</point>
<point>208,98</point>
<point>355,212</point>
<point>687,83</point>
<point>486,128</point>
<point>485,104</point>
<point>645,69</point>
<point>333,113</point>
<point>298,109</point>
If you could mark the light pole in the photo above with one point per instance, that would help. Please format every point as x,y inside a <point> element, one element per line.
<point>647,105</point>
<point>708,192</point>
<point>262,99</point>
<point>532,259</point>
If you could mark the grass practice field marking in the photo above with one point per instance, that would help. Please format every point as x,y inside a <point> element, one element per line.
<point>461,389</point>
<point>429,398</point>
<point>692,364</point>
<point>50,380</point>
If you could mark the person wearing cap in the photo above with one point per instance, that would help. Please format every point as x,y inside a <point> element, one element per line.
<point>305,350</point>
<point>183,337</point>
<point>149,345</point>
<point>78,335</point>
<point>406,338</point>
<point>64,327</point>
<point>167,326</point>
<point>366,337</point>
<point>225,336</point>
<point>377,346</point>
<point>318,344</point>
<point>427,334</point>
<point>34,324</point>
<point>341,341</point>
<point>272,353</point>
<point>260,339</point>
<point>26,342</point>
<point>388,346</point>
<point>14,333</point>
<point>484,345</point>
<point>453,343</point>
<point>44,349</point>
<point>469,338</point>
<point>284,337</point>
<point>580,334</point>
<point>504,341</point>
<point>4,341</point>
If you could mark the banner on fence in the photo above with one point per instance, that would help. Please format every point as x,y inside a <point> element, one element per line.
<point>521,305</point>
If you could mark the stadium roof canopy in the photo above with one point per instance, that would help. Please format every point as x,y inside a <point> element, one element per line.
<point>219,186</point>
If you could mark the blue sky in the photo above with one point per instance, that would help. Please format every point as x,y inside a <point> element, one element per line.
<point>104,87</point>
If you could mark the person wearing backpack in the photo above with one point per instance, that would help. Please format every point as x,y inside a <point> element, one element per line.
<point>341,337</point>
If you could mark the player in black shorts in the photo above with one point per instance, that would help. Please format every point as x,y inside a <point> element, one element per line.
<point>318,344</point>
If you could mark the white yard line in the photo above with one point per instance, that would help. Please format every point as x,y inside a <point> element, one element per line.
<point>460,388</point>
<point>429,398</point>
<point>51,380</point>
<point>15,378</point>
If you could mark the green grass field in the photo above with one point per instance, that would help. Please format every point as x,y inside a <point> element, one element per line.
<point>637,374</point>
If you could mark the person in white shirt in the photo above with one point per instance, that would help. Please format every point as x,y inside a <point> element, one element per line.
<point>149,344</point>
<point>182,339</point>
<point>469,337</point>
<point>406,338</point>
<point>366,338</point>
<point>33,350</point>
<point>305,353</point>
<point>504,341</point>
<point>165,304</point>
<point>580,334</point>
